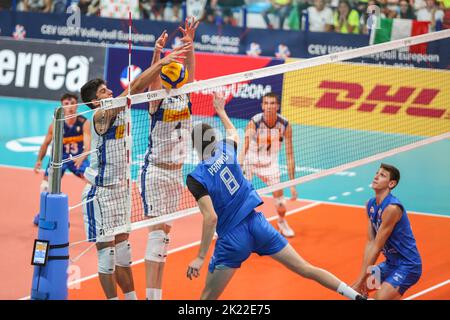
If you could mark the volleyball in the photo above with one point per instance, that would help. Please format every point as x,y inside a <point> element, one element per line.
<point>174,75</point>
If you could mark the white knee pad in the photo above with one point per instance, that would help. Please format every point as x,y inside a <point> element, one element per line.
<point>280,201</point>
<point>157,244</point>
<point>123,252</point>
<point>107,260</point>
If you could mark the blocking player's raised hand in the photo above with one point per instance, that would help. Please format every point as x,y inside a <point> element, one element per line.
<point>190,26</point>
<point>176,55</point>
<point>161,41</point>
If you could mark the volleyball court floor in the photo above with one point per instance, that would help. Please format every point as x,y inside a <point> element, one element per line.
<point>331,229</point>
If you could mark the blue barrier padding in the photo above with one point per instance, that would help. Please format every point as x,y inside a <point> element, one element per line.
<point>50,281</point>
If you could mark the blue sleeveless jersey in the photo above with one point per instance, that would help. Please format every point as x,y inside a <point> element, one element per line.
<point>233,197</point>
<point>73,138</point>
<point>400,248</point>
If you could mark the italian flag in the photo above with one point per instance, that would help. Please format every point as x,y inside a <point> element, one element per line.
<point>394,29</point>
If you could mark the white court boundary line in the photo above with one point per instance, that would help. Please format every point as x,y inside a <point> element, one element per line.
<point>421,293</point>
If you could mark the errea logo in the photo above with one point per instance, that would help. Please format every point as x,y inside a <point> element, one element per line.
<point>34,70</point>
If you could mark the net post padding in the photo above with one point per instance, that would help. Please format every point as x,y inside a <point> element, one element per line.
<point>50,281</point>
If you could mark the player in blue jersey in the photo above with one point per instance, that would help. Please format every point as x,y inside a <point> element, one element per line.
<point>389,231</point>
<point>76,140</point>
<point>227,202</point>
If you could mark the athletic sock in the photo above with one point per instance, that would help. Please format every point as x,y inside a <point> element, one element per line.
<point>153,294</point>
<point>130,295</point>
<point>347,291</point>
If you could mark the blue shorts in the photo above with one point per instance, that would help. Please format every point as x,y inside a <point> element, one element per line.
<point>402,276</point>
<point>253,234</point>
<point>71,167</point>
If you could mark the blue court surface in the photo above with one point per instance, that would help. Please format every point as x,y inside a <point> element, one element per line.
<point>425,172</point>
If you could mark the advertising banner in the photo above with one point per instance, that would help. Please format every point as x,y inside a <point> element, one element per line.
<point>374,98</point>
<point>34,69</point>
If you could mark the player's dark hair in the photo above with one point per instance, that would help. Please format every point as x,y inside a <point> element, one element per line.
<point>89,91</point>
<point>203,139</point>
<point>394,173</point>
<point>272,95</point>
<point>69,96</point>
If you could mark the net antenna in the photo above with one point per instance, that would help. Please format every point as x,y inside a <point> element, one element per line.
<point>128,139</point>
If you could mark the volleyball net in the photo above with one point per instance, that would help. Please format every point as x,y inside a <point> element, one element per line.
<point>334,114</point>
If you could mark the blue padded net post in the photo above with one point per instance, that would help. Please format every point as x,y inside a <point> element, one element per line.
<point>50,281</point>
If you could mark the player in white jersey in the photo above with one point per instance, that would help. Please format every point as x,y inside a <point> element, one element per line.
<point>264,136</point>
<point>161,175</point>
<point>106,199</point>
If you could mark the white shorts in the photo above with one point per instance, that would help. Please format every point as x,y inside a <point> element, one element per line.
<point>269,174</point>
<point>108,214</point>
<point>161,190</point>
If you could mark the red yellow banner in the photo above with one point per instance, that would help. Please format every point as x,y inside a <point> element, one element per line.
<point>374,98</point>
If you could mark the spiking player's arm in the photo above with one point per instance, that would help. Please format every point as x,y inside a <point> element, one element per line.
<point>209,227</point>
<point>190,26</point>
<point>86,143</point>
<point>250,131</point>
<point>375,244</point>
<point>43,149</point>
<point>290,159</point>
<point>156,83</point>
<point>219,105</point>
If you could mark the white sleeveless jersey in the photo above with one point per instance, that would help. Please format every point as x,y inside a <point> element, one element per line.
<point>265,145</point>
<point>170,129</point>
<point>108,164</point>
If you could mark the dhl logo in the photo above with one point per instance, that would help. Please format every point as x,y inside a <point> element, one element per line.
<point>176,115</point>
<point>387,98</point>
<point>74,139</point>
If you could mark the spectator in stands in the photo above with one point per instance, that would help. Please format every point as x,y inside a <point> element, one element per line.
<point>224,9</point>
<point>59,6</point>
<point>445,6</point>
<point>385,8</point>
<point>280,8</point>
<point>346,19</point>
<point>320,17</point>
<point>406,11</point>
<point>5,4</point>
<point>152,9</point>
<point>431,13</point>
<point>37,5</point>
<point>177,14</point>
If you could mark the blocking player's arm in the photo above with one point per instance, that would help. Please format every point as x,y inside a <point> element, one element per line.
<point>190,26</point>
<point>219,106</point>
<point>43,150</point>
<point>86,143</point>
<point>156,83</point>
<point>290,159</point>
<point>250,130</point>
<point>209,224</point>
